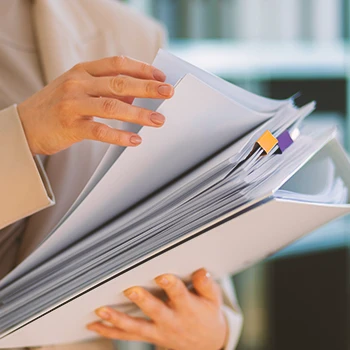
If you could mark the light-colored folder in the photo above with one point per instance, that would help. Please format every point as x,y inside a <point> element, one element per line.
<point>264,223</point>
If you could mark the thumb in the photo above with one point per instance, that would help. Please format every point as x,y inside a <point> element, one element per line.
<point>206,287</point>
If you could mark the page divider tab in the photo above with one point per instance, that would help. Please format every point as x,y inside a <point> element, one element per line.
<point>267,141</point>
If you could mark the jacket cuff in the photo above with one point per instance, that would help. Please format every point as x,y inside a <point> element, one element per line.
<point>232,312</point>
<point>234,323</point>
<point>24,186</point>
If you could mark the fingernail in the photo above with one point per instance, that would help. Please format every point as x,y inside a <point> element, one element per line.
<point>165,90</point>
<point>159,75</point>
<point>131,294</point>
<point>162,280</point>
<point>103,313</point>
<point>90,326</point>
<point>157,119</point>
<point>207,276</point>
<point>135,140</point>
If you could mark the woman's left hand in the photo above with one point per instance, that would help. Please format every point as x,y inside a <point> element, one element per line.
<point>186,321</point>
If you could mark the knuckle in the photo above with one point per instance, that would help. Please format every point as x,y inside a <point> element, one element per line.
<point>65,118</point>
<point>118,139</point>
<point>141,116</point>
<point>77,68</point>
<point>119,61</point>
<point>66,123</point>
<point>64,107</point>
<point>109,106</point>
<point>144,67</point>
<point>100,132</point>
<point>150,88</point>
<point>119,84</point>
<point>69,86</point>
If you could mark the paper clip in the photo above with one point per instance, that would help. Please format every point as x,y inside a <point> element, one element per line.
<point>267,142</point>
<point>284,141</point>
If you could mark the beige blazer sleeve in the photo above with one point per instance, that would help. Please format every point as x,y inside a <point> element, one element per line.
<point>232,313</point>
<point>24,187</point>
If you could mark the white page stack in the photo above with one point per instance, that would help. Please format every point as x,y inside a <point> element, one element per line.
<point>231,178</point>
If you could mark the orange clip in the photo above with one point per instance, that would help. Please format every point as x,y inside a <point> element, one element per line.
<point>267,141</point>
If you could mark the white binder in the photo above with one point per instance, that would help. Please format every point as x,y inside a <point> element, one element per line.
<point>264,220</point>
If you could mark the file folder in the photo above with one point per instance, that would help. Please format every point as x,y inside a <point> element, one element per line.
<point>200,197</point>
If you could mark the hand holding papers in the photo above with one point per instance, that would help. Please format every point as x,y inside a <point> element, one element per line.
<point>200,195</point>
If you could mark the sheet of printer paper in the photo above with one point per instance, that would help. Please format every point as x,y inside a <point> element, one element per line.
<point>198,125</point>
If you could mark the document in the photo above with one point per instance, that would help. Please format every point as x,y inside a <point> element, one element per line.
<point>213,186</point>
<point>137,174</point>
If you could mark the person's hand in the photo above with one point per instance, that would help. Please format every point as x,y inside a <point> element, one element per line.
<point>187,321</point>
<point>61,114</point>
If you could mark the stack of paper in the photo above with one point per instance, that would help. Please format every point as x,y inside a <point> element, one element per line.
<point>229,179</point>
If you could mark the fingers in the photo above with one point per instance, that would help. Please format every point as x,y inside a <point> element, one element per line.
<point>133,325</point>
<point>175,289</point>
<point>122,65</point>
<point>151,306</point>
<point>122,85</point>
<point>114,109</point>
<point>206,287</point>
<point>127,99</point>
<point>101,132</point>
<point>112,332</point>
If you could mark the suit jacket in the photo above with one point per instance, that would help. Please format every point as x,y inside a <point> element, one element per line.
<point>63,33</point>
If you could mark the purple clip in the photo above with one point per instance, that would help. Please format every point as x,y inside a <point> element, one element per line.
<point>284,141</point>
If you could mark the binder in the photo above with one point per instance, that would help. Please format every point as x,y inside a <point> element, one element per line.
<point>223,202</point>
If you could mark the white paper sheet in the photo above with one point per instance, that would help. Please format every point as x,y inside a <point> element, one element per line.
<point>175,69</point>
<point>198,125</point>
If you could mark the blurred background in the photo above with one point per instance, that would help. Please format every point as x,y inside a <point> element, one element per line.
<point>298,299</point>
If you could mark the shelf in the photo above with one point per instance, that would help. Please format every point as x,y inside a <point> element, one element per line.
<point>334,235</point>
<point>264,60</point>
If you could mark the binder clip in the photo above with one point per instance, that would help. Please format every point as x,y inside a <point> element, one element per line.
<point>284,141</point>
<point>267,142</point>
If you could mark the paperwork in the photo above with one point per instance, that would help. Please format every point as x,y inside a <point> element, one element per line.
<point>222,152</point>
